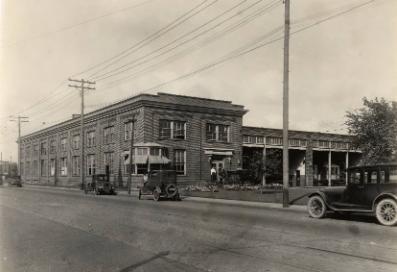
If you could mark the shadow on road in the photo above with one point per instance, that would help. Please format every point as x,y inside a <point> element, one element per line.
<point>132,267</point>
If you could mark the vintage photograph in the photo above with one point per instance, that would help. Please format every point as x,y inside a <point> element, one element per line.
<point>198,135</point>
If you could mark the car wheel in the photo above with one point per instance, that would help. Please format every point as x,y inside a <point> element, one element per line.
<point>316,207</point>
<point>156,195</point>
<point>386,212</point>
<point>171,190</point>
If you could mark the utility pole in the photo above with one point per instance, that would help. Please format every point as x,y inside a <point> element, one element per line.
<point>84,86</point>
<point>19,119</point>
<point>286,105</point>
<point>131,156</point>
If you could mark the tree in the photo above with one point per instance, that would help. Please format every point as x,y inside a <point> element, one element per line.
<point>375,129</point>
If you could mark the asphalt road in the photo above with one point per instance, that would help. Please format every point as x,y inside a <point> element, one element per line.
<point>55,230</point>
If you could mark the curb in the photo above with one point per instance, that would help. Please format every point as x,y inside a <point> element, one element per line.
<point>254,204</point>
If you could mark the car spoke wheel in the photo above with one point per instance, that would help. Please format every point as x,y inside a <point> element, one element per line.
<point>316,207</point>
<point>386,212</point>
<point>171,190</point>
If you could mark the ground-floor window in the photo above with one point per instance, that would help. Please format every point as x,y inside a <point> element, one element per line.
<point>126,160</point>
<point>35,168</point>
<point>91,164</point>
<point>76,166</point>
<point>108,161</point>
<point>27,168</point>
<point>43,166</point>
<point>52,167</point>
<point>63,167</point>
<point>180,161</point>
<point>21,170</point>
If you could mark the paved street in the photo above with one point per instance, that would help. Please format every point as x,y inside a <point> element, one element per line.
<point>59,230</point>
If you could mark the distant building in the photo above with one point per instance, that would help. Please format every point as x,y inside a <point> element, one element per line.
<point>189,134</point>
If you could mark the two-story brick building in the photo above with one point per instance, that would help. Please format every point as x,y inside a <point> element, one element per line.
<point>189,134</point>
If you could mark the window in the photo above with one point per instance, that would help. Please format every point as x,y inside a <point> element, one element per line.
<point>76,166</point>
<point>155,151</point>
<point>294,142</point>
<point>63,167</point>
<point>63,144</point>
<point>35,150</point>
<point>179,130</point>
<point>43,168</point>
<point>108,161</point>
<point>52,146</point>
<point>108,135</point>
<point>246,139</point>
<point>218,133</point>
<point>393,176</point>
<point>260,139</point>
<point>211,132</point>
<point>52,167</point>
<point>142,151</point>
<point>126,157</point>
<point>27,168</point>
<point>76,142</point>
<point>172,129</point>
<point>91,165</point>
<point>127,130</point>
<point>35,168</point>
<point>22,169</point>
<point>90,138</point>
<point>165,129</point>
<point>43,148</point>
<point>274,140</point>
<point>180,162</point>
<point>323,144</point>
<point>223,133</point>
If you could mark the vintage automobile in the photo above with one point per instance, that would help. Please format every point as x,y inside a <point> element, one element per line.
<point>160,184</point>
<point>371,189</point>
<point>100,184</point>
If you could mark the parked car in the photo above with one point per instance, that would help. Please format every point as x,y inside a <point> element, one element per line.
<point>100,184</point>
<point>160,184</point>
<point>371,189</point>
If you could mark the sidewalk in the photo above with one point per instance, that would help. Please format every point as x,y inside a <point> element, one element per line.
<point>134,193</point>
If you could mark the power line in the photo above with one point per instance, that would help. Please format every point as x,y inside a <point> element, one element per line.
<point>178,21</point>
<point>227,58</point>
<point>199,45</point>
<point>62,29</point>
<point>104,75</point>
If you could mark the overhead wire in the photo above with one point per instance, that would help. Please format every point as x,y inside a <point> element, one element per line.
<point>201,44</point>
<point>235,55</point>
<point>66,28</point>
<point>186,34</point>
<point>167,28</point>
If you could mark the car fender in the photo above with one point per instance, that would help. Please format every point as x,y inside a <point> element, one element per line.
<point>321,194</point>
<point>381,196</point>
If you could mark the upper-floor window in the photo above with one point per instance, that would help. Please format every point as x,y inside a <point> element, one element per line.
<point>127,130</point>
<point>35,150</point>
<point>172,129</point>
<point>108,135</point>
<point>91,138</point>
<point>43,148</point>
<point>76,142</point>
<point>322,143</point>
<point>64,144</point>
<point>218,132</point>
<point>53,146</point>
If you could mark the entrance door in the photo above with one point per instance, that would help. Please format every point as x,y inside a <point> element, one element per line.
<point>219,166</point>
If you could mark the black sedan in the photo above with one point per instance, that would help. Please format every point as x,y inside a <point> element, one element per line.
<point>370,189</point>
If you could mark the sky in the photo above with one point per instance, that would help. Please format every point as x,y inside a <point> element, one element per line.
<point>222,49</point>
